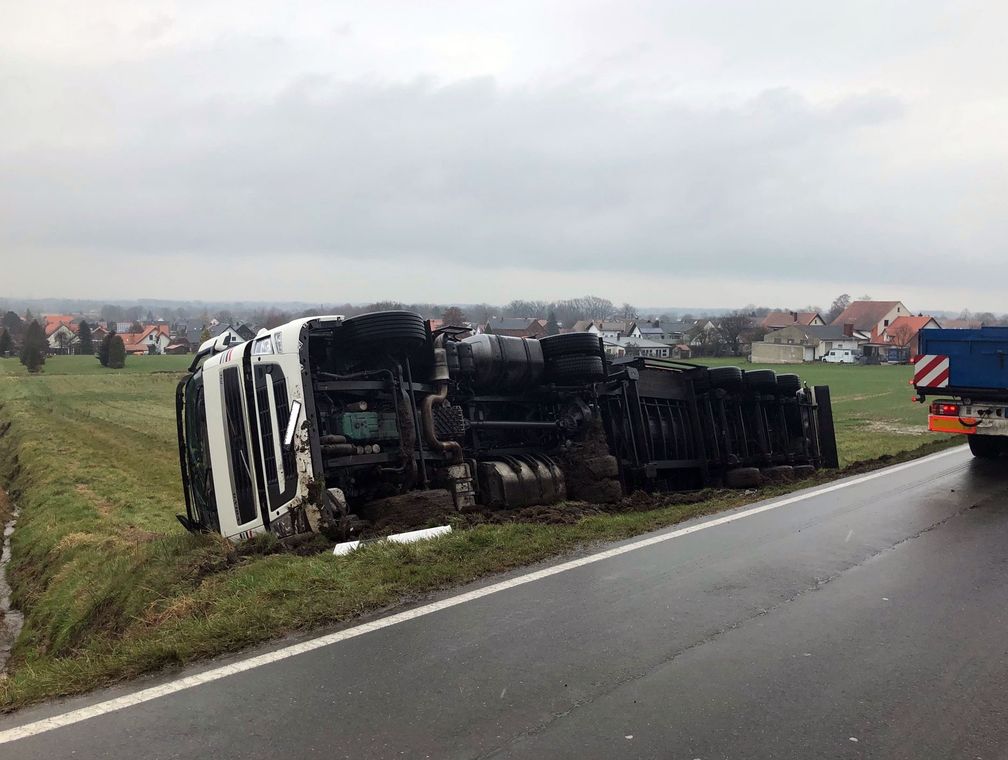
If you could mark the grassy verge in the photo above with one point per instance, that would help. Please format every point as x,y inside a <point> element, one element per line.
<point>113,587</point>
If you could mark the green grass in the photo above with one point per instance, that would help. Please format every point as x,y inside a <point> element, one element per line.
<point>88,365</point>
<point>112,586</point>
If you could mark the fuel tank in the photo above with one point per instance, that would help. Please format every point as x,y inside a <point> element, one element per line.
<point>501,363</point>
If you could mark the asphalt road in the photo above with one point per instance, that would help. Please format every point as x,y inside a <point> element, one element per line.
<point>866,621</point>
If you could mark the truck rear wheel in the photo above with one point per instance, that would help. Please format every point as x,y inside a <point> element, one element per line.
<point>391,331</point>
<point>575,369</point>
<point>569,344</point>
<point>986,446</point>
<point>761,379</point>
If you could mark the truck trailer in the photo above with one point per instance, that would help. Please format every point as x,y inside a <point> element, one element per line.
<point>326,424</point>
<point>964,372</point>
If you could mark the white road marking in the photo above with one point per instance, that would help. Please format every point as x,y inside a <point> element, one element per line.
<point>215,674</point>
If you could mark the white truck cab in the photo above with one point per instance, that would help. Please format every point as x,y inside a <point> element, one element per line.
<point>242,435</point>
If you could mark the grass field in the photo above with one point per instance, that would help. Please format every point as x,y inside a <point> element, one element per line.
<point>112,586</point>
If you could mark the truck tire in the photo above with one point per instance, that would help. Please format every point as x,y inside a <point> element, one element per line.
<point>802,471</point>
<point>728,378</point>
<point>782,474</point>
<point>761,379</point>
<point>575,369</point>
<point>743,477</point>
<point>986,446</point>
<point>569,344</point>
<point>393,331</point>
<point>788,383</point>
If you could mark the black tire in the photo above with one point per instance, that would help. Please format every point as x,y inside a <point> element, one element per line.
<point>389,331</point>
<point>575,369</point>
<point>743,477</point>
<point>761,379</point>
<point>802,471</point>
<point>729,378</point>
<point>569,344</point>
<point>986,446</point>
<point>788,383</point>
<point>782,474</point>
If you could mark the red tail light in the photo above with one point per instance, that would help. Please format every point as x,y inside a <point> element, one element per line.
<point>945,409</point>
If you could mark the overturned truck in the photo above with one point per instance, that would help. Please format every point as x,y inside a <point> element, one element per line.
<point>322,424</point>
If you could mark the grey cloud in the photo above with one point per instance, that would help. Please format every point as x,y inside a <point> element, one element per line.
<point>560,176</point>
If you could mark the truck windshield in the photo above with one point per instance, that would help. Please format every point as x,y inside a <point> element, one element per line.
<point>198,453</point>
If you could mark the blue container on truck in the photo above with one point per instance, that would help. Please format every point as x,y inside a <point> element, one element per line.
<point>968,370</point>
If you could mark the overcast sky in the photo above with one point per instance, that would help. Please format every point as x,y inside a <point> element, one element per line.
<point>698,153</point>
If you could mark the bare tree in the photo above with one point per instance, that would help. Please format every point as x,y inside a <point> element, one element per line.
<point>840,303</point>
<point>453,316</point>
<point>901,334</point>
<point>735,330</point>
<point>522,308</point>
<point>596,307</point>
<point>627,311</point>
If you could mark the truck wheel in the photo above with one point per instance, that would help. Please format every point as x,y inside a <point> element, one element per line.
<point>569,344</point>
<point>575,369</point>
<point>761,379</point>
<point>986,446</point>
<point>782,474</point>
<point>729,378</point>
<point>802,471</point>
<point>788,383</point>
<point>743,477</point>
<point>393,331</point>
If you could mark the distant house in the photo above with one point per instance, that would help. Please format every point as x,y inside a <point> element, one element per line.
<point>903,336</point>
<point>517,327</point>
<point>702,332</point>
<point>775,320</point>
<point>230,334</point>
<point>98,334</point>
<point>630,346</point>
<point>245,331</point>
<point>608,329</point>
<point>657,331</point>
<point>61,335</point>
<point>870,319</point>
<point>152,340</point>
<point>804,343</point>
<point>178,345</point>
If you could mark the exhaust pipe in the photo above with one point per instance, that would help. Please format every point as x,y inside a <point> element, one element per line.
<point>453,449</point>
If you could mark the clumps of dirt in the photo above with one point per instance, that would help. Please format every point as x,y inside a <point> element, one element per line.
<point>589,469</point>
<point>408,511</point>
<point>564,513</point>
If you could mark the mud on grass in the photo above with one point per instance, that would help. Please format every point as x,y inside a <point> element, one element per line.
<point>112,587</point>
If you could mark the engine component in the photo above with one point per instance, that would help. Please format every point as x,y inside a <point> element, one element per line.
<point>368,426</point>
<point>449,422</point>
